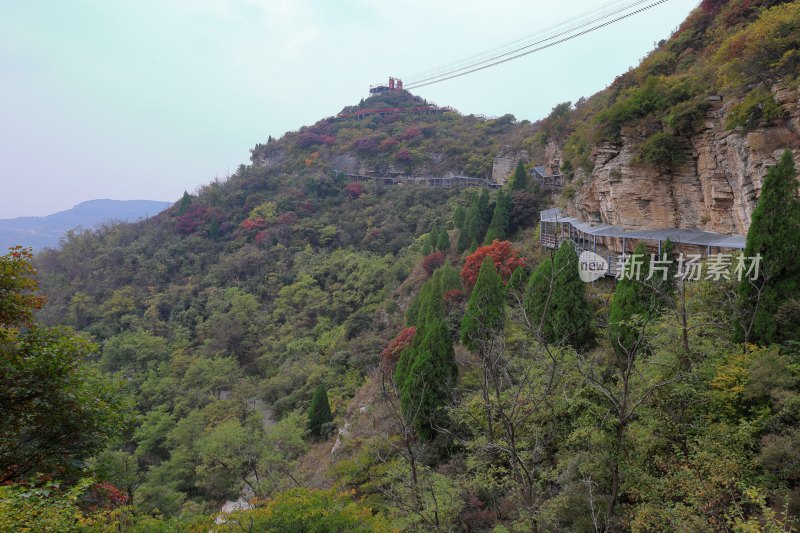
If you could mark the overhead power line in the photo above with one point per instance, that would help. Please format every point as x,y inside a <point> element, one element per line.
<point>542,35</point>
<point>481,61</point>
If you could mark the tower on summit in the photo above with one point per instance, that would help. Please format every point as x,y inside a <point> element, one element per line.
<point>395,84</point>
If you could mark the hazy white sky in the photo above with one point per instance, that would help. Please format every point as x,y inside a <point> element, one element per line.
<point>145,99</point>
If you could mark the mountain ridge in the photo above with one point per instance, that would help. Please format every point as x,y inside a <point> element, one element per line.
<point>44,231</point>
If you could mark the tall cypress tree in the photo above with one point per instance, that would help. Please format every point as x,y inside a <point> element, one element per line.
<point>569,315</point>
<point>485,312</point>
<point>498,228</point>
<point>555,300</point>
<point>434,237</point>
<point>474,224</point>
<point>185,202</point>
<point>427,369</point>
<point>427,308</point>
<point>459,215</point>
<point>319,412</point>
<point>426,245</point>
<point>775,235</point>
<point>519,181</point>
<point>463,239</point>
<point>443,243</point>
<point>484,209</point>
<point>633,304</point>
<point>538,298</point>
<point>471,225</point>
<point>429,379</point>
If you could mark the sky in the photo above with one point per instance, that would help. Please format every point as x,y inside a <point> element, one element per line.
<point>143,99</point>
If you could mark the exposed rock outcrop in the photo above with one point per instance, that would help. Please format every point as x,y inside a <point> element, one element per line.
<point>715,188</point>
<point>505,163</point>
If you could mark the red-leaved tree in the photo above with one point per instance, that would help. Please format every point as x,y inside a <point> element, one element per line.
<point>191,220</point>
<point>391,354</point>
<point>505,259</point>
<point>432,261</point>
<point>354,189</point>
<point>254,224</point>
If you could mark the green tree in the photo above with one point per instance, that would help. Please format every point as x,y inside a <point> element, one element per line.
<point>132,351</point>
<point>498,228</point>
<point>538,295</point>
<point>474,225</point>
<point>233,453</point>
<point>426,369</point>
<point>485,312</point>
<point>443,243</point>
<point>555,300</point>
<point>121,469</point>
<point>463,239</point>
<point>633,306</point>
<point>57,408</point>
<point>570,314</point>
<point>184,203</point>
<point>459,215</point>
<point>434,237</point>
<point>773,235</point>
<point>484,209</point>
<point>429,380</point>
<point>319,412</point>
<point>426,245</point>
<point>519,181</point>
<point>18,286</point>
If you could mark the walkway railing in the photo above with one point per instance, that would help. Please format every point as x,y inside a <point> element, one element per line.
<point>432,181</point>
<point>554,229</point>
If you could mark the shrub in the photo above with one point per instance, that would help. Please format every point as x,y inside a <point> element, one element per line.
<point>685,116</point>
<point>661,149</point>
<point>307,139</point>
<point>191,220</point>
<point>323,511</point>
<point>403,156</point>
<point>354,190</point>
<point>657,94</point>
<point>410,133</point>
<point>266,211</point>
<point>758,105</point>
<point>577,153</point>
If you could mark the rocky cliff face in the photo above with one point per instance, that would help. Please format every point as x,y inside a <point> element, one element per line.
<point>715,189</point>
<point>505,162</point>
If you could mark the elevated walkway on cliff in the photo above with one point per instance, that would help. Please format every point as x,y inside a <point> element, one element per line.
<point>556,228</point>
<point>432,181</point>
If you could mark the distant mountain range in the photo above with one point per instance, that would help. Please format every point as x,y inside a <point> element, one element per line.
<point>44,232</point>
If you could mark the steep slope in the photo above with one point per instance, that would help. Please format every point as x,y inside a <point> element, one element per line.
<point>685,139</point>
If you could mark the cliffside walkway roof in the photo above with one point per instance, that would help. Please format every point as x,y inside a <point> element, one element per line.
<point>695,237</point>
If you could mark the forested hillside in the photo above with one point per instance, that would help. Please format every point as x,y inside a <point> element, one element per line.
<point>333,355</point>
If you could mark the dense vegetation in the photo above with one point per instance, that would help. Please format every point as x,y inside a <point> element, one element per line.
<point>343,356</point>
<point>733,51</point>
